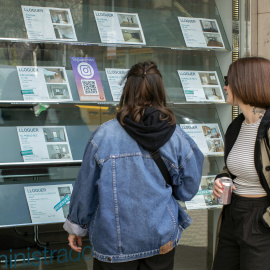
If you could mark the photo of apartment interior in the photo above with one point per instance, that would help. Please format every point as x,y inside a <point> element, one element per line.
<point>210,200</point>
<point>58,151</point>
<point>127,20</point>
<point>209,26</point>
<point>132,36</point>
<point>63,32</point>
<point>54,134</point>
<point>60,16</point>
<point>213,40</point>
<point>212,93</point>
<point>58,91</point>
<point>63,192</point>
<point>215,146</point>
<point>210,132</point>
<point>207,183</point>
<point>54,75</point>
<point>208,78</point>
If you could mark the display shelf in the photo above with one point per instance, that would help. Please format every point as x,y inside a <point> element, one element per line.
<point>169,62</point>
<point>79,121</point>
<point>116,45</point>
<point>16,212</point>
<point>111,104</point>
<point>59,163</point>
<point>38,173</point>
<point>159,22</point>
<point>165,43</point>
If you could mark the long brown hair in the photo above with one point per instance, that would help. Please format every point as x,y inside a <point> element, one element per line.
<point>249,80</point>
<point>143,88</point>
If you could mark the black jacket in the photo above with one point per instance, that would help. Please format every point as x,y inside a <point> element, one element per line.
<point>261,151</point>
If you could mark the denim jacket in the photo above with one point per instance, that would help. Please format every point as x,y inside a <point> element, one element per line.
<point>122,200</point>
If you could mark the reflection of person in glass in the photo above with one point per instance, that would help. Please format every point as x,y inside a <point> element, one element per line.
<point>120,196</point>
<point>244,235</point>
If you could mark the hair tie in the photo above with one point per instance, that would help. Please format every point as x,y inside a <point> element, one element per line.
<point>143,73</point>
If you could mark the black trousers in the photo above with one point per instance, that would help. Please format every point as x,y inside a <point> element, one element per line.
<point>157,262</point>
<point>244,240</point>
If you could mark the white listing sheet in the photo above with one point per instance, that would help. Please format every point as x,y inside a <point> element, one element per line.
<point>44,83</point>
<point>47,143</point>
<point>45,23</point>
<point>122,28</point>
<point>207,136</point>
<point>204,198</point>
<point>201,33</point>
<point>115,77</point>
<point>201,85</point>
<point>48,203</point>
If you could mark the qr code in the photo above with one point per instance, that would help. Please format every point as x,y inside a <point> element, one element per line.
<point>90,87</point>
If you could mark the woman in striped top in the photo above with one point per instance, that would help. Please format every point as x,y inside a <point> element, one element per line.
<point>244,236</point>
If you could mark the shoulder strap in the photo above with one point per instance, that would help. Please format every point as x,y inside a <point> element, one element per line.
<point>161,165</point>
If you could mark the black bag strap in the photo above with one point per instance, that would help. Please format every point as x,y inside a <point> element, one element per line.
<point>162,166</point>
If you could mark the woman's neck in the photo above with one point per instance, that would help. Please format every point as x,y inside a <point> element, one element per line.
<point>252,114</point>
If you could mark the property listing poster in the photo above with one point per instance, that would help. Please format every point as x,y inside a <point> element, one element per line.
<point>123,28</point>
<point>207,136</point>
<point>201,33</point>
<point>115,77</point>
<point>201,85</point>
<point>45,23</point>
<point>44,83</point>
<point>87,79</point>
<point>47,143</point>
<point>204,198</point>
<point>49,203</point>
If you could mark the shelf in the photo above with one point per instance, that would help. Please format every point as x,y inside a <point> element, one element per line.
<point>75,43</point>
<point>159,21</point>
<point>19,103</point>
<point>58,55</point>
<point>40,164</point>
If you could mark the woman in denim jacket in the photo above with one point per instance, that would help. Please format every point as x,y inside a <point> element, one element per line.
<point>120,196</point>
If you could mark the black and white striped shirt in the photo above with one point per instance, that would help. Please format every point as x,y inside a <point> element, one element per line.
<point>240,161</point>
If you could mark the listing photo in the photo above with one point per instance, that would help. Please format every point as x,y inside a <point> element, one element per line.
<point>58,91</point>
<point>132,36</point>
<point>208,78</point>
<point>63,192</point>
<point>54,134</point>
<point>211,131</point>
<point>215,146</point>
<point>207,183</point>
<point>213,93</point>
<point>210,200</point>
<point>58,151</point>
<point>128,20</point>
<point>60,16</point>
<point>64,32</point>
<point>209,26</point>
<point>54,75</point>
<point>213,40</point>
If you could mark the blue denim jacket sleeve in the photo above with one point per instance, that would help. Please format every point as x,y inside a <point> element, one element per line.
<point>84,193</point>
<point>188,179</point>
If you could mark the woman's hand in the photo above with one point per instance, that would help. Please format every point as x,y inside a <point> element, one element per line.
<point>75,242</point>
<point>218,188</point>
